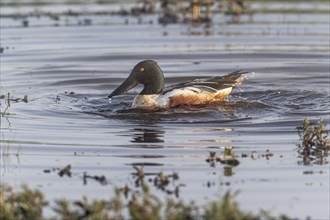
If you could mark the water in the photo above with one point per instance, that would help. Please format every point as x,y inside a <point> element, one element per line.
<point>67,71</point>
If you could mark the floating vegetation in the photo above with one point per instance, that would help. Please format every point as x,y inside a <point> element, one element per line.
<point>314,147</point>
<point>227,158</point>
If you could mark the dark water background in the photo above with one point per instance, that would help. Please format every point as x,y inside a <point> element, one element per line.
<point>67,69</point>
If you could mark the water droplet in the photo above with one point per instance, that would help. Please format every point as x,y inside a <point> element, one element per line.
<point>249,75</point>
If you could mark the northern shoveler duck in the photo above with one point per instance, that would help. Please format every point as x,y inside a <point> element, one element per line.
<point>155,96</point>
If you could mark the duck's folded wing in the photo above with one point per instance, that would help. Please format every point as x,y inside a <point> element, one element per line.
<point>212,84</point>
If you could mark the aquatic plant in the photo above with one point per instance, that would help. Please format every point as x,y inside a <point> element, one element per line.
<point>225,207</point>
<point>229,152</point>
<point>145,206</point>
<point>126,203</point>
<point>212,159</point>
<point>7,103</point>
<point>314,144</point>
<point>29,204</point>
<point>83,209</point>
<point>229,158</point>
<point>22,205</point>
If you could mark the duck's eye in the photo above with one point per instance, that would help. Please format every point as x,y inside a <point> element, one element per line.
<point>141,69</point>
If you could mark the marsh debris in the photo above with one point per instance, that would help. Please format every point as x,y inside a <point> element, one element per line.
<point>143,7</point>
<point>101,179</point>
<point>228,171</point>
<point>70,93</point>
<point>25,23</point>
<point>47,170</point>
<point>65,171</point>
<point>267,154</point>
<point>125,190</point>
<point>139,175</point>
<point>25,99</point>
<point>162,181</point>
<point>212,159</point>
<point>231,162</point>
<point>311,172</point>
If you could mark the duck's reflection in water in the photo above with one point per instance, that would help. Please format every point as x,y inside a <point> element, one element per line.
<point>147,135</point>
<point>149,139</point>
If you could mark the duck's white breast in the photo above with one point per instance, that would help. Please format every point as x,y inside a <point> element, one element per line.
<point>150,102</point>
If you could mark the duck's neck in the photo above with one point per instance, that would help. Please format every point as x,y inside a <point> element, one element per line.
<point>154,87</point>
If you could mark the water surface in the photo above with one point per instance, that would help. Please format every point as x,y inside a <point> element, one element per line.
<point>67,71</point>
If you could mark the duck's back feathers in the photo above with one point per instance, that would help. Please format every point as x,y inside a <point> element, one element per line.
<point>201,91</point>
<point>212,85</point>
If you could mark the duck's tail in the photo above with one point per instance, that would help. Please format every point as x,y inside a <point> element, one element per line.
<point>230,80</point>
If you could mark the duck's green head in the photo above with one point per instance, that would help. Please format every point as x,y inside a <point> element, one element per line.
<point>147,73</point>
